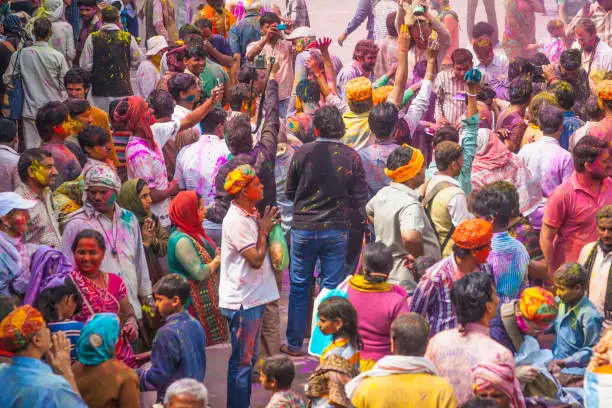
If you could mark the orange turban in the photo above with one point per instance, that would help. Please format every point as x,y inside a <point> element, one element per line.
<point>538,305</point>
<point>358,89</point>
<point>409,170</point>
<point>472,234</point>
<point>19,327</point>
<point>239,178</point>
<point>380,94</point>
<point>604,90</point>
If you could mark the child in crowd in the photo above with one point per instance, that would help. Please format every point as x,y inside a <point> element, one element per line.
<point>577,325</point>
<point>95,141</point>
<point>58,304</point>
<point>340,360</point>
<point>179,347</point>
<point>553,47</point>
<point>277,374</point>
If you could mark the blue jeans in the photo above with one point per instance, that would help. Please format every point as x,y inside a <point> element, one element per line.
<point>330,248</point>
<point>245,330</point>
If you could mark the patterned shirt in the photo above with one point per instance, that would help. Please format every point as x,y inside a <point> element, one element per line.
<point>432,297</point>
<point>509,260</point>
<point>43,227</point>
<point>286,399</point>
<point>66,163</point>
<point>381,11</point>
<point>571,123</point>
<point>446,87</point>
<point>374,159</point>
<point>601,18</point>
<point>243,33</point>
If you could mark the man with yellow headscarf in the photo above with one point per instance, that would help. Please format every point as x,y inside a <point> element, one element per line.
<point>399,219</point>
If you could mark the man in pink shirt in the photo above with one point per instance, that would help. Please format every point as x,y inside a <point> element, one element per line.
<point>569,217</point>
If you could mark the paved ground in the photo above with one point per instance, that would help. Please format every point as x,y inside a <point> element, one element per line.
<point>329,17</point>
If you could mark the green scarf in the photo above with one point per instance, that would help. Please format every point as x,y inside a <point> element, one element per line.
<point>129,200</point>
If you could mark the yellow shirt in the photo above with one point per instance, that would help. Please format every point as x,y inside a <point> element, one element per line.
<point>405,390</point>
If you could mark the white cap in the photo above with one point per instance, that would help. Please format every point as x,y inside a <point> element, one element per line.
<point>10,201</point>
<point>156,44</point>
<point>300,32</point>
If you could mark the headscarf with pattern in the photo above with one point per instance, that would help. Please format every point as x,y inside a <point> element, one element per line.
<point>501,377</point>
<point>538,305</point>
<point>137,118</point>
<point>102,175</point>
<point>19,327</point>
<point>239,178</point>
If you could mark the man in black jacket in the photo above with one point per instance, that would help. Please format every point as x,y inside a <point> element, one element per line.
<point>325,180</point>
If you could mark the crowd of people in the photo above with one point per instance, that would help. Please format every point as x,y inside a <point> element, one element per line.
<point>443,210</point>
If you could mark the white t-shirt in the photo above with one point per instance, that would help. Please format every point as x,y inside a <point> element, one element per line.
<point>241,284</point>
<point>180,112</point>
<point>165,131</point>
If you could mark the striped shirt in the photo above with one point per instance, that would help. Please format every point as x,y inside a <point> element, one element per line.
<point>446,87</point>
<point>432,297</point>
<point>120,140</point>
<point>601,18</point>
<point>72,330</point>
<point>381,11</point>
<point>509,260</point>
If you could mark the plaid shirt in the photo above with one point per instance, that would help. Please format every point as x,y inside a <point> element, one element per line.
<point>43,227</point>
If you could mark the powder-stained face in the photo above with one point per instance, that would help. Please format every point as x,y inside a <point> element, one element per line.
<point>570,296</point>
<point>43,172</point>
<point>101,198</point>
<point>585,39</point>
<point>87,12</point>
<point>254,191</point>
<point>88,256</point>
<point>600,169</point>
<point>145,198</point>
<point>16,221</point>
<point>483,47</point>
<point>101,153</point>
<point>481,254</point>
<point>604,228</point>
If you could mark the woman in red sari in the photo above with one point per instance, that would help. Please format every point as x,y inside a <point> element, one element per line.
<point>103,292</point>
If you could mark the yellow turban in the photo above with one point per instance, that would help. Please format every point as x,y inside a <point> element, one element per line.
<point>358,89</point>
<point>538,305</point>
<point>239,178</point>
<point>380,94</point>
<point>409,170</point>
<point>19,327</point>
<point>604,90</point>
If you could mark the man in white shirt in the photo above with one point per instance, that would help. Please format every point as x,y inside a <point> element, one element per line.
<point>594,115</point>
<point>596,257</point>
<point>43,69</point>
<point>596,54</point>
<point>197,164</point>
<point>247,281</point>
<point>494,67</point>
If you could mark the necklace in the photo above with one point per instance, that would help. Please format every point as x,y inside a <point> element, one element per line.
<point>113,243</point>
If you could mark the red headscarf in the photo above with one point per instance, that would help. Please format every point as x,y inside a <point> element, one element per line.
<point>137,118</point>
<point>183,213</point>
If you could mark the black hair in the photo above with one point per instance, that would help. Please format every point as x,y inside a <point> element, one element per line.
<point>77,106</point>
<point>7,305</point>
<point>89,233</point>
<point>180,82</point>
<point>566,96</point>
<point>195,52</point>
<point>188,29</point>
<point>26,159</point>
<point>111,108</point>
<point>339,308</point>
<point>246,74</point>
<point>482,28</point>
<point>550,119</point>
<point>390,24</point>
<point>421,265</point>
<point>470,296</point>
<point>42,28</point>
<point>445,133</point>
<point>377,257</point>
<point>410,334</point>
<point>328,121</point>
<point>173,285</point>
<point>212,120</point>
<point>571,59</point>
<point>520,90</point>
<point>49,116</point>
<point>592,109</point>
<point>8,130</point>
<point>519,66</point>
<point>110,14</point>
<point>77,75</point>
<point>268,18</point>
<point>92,136</point>
<point>360,106</point>
<point>382,119</point>
<point>540,59</point>
<point>279,368</point>
<point>587,24</point>
<point>571,274</point>
<point>308,91</point>
<point>491,201</point>
<point>239,131</point>
<point>446,153</point>
<point>486,93</point>
<point>239,94</point>
<point>399,157</point>
<point>477,402</point>
<point>587,150</point>
<point>162,102</point>
<point>140,184</point>
<point>47,300</point>
<point>462,56</point>
<point>203,23</point>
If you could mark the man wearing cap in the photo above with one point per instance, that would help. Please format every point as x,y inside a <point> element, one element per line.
<point>399,219</point>
<point>38,173</point>
<point>603,130</point>
<point>364,59</point>
<point>148,74</point>
<point>247,279</point>
<point>432,297</point>
<point>243,33</point>
<point>15,263</point>
<point>27,381</point>
<point>125,254</point>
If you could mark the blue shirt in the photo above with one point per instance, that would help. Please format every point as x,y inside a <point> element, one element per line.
<point>28,382</point>
<point>221,45</point>
<point>243,33</point>
<point>571,123</point>
<point>509,260</point>
<point>577,332</point>
<point>179,351</point>
<point>72,330</point>
<point>374,159</point>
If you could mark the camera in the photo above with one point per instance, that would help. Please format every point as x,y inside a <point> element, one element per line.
<point>261,61</point>
<point>281,27</point>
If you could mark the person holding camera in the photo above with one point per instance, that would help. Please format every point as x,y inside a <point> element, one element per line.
<point>273,45</point>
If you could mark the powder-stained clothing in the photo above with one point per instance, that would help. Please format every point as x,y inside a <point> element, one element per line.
<point>600,16</point>
<point>111,384</point>
<point>66,163</point>
<point>577,330</point>
<point>15,260</point>
<point>286,399</point>
<point>179,351</point>
<point>346,74</point>
<point>374,160</point>
<point>446,87</point>
<point>572,208</point>
<point>571,123</point>
<point>495,74</point>
<point>325,180</point>
<point>284,58</point>
<point>28,382</point>
<point>455,354</point>
<point>600,273</point>
<point>43,226</point>
<point>509,261</point>
<point>9,177</point>
<point>243,33</point>
<point>147,77</point>
<point>124,254</point>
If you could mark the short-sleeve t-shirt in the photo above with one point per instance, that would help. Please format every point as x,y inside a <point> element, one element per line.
<point>213,72</point>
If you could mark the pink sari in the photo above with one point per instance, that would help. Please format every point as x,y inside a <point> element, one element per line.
<point>104,300</point>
